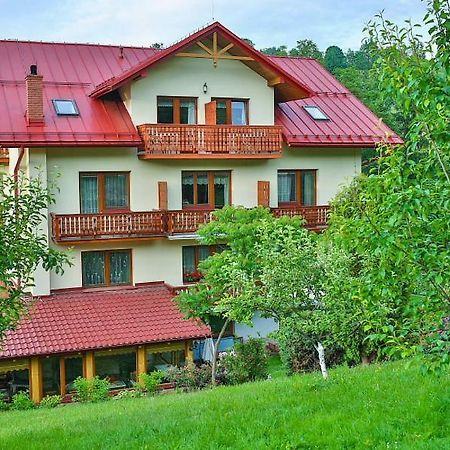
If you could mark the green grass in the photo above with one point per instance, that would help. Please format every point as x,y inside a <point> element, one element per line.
<point>377,407</point>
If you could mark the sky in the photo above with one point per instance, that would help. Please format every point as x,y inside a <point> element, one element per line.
<point>143,22</point>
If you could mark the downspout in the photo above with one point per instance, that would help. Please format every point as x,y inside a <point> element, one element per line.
<point>16,170</point>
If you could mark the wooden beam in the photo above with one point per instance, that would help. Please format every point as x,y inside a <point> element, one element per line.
<point>275,81</point>
<point>89,365</point>
<point>226,48</point>
<point>204,47</point>
<point>141,361</point>
<point>207,56</point>
<point>194,55</point>
<point>36,387</point>
<point>215,49</point>
<point>188,352</point>
<point>62,376</point>
<point>239,58</point>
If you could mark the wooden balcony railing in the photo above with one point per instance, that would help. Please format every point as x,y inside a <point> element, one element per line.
<point>91,227</point>
<point>4,156</point>
<point>210,141</point>
<point>72,228</point>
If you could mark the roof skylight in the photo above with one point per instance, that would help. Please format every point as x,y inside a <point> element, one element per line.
<point>316,113</point>
<point>65,107</point>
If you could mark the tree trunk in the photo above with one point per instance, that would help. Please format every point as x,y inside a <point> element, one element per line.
<point>216,351</point>
<point>321,352</point>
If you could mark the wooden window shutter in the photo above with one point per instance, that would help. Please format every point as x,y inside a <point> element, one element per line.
<point>264,193</point>
<point>162,195</point>
<point>210,113</point>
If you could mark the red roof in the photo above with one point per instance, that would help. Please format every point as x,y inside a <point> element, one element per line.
<point>350,124</point>
<point>94,319</point>
<point>75,71</point>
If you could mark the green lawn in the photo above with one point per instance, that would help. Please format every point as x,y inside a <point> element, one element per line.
<point>382,406</point>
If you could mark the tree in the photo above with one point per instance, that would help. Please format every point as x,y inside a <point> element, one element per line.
<point>275,51</point>
<point>360,59</point>
<point>249,42</point>
<point>306,48</point>
<point>157,45</point>
<point>334,59</point>
<point>23,247</point>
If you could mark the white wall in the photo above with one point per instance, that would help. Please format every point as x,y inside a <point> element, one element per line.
<point>186,76</point>
<point>260,329</point>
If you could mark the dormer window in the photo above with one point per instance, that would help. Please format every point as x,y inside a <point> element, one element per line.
<point>316,113</point>
<point>65,107</point>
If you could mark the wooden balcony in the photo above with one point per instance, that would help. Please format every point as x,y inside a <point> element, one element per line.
<point>79,228</point>
<point>165,141</point>
<point>72,228</point>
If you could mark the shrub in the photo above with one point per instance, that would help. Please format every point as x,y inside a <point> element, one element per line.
<point>4,406</point>
<point>190,377</point>
<point>92,390</point>
<point>148,382</point>
<point>247,362</point>
<point>22,401</point>
<point>50,401</point>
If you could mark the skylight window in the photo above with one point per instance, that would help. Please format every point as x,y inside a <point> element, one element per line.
<point>66,107</point>
<point>316,113</point>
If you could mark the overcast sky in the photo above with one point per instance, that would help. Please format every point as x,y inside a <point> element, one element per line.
<point>143,22</point>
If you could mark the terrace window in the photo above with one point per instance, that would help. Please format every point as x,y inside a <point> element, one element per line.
<point>163,360</point>
<point>296,187</point>
<point>207,190</point>
<point>119,367</point>
<point>107,191</point>
<point>231,111</point>
<point>106,268</point>
<point>177,110</point>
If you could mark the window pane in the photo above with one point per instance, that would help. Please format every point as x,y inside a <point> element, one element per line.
<point>116,191</point>
<point>308,188</point>
<point>187,189</point>
<point>119,267</point>
<point>238,113</point>
<point>50,375</point>
<point>93,268</point>
<point>119,369</point>
<point>221,189</point>
<point>188,260</point>
<point>187,111</point>
<point>221,112</point>
<point>203,253</point>
<point>165,110</point>
<point>286,187</point>
<point>66,107</point>
<point>202,189</point>
<point>89,194</point>
<point>74,369</point>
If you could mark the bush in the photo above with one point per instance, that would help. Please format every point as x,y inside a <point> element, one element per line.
<point>148,382</point>
<point>22,401</point>
<point>4,406</point>
<point>92,390</point>
<point>248,361</point>
<point>50,401</point>
<point>190,377</point>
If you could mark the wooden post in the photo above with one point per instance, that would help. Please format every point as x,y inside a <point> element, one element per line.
<point>163,202</point>
<point>89,365</point>
<point>264,193</point>
<point>62,376</point>
<point>188,351</point>
<point>36,387</point>
<point>141,361</point>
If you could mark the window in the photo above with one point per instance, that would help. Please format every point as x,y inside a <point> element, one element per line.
<point>100,192</point>
<point>207,190</point>
<point>178,110</point>
<point>119,367</point>
<point>107,268</point>
<point>193,256</point>
<point>163,360</point>
<point>297,187</point>
<point>231,111</point>
<point>65,107</point>
<point>316,113</point>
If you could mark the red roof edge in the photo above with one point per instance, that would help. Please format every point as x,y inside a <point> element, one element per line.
<point>114,83</point>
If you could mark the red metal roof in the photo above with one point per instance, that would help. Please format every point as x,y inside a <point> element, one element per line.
<point>350,124</point>
<point>70,71</point>
<point>94,319</point>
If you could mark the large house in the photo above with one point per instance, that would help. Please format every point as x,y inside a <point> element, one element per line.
<point>143,144</point>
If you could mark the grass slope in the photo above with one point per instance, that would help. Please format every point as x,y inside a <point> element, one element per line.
<point>375,407</point>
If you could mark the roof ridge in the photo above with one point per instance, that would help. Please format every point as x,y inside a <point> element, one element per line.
<point>292,57</point>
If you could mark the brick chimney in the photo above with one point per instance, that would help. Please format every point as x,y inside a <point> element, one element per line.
<point>35,99</point>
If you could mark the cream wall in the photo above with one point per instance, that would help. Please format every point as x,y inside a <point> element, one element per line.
<point>160,259</point>
<point>186,76</point>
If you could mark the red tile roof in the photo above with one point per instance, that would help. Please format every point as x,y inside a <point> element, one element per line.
<point>93,319</point>
<point>351,123</point>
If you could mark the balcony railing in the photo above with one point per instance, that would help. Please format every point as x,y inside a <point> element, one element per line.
<point>72,228</point>
<point>210,141</point>
<point>4,156</point>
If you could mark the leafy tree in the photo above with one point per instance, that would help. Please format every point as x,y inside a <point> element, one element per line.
<point>249,42</point>
<point>23,247</point>
<point>276,51</point>
<point>157,45</point>
<point>306,48</point>
<point>334,59</point>
<point>360,59</point>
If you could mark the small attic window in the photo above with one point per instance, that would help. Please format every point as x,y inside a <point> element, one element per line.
<point>316,113</point>
<point>65,107</point>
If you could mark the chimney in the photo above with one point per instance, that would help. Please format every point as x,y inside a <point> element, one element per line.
<point>35,99</point>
